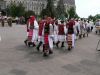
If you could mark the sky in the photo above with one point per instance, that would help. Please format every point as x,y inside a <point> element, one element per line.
<point>84,8</point>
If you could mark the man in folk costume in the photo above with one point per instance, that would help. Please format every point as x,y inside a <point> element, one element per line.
<point>77,28</point>
<point>46,45</point>
<point>55,32</point>
<point>30,29</point>
<point>61,34</point>
<point>40,33</point>
<point>70,36</point>
<point>35,32</point>
<point>51,35</point>
<point>81,29</point>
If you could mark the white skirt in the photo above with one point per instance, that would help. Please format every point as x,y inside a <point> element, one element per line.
<point>35,35</point>
<point>61,38</point>
<point>51,39</point>
<point>40,39</point>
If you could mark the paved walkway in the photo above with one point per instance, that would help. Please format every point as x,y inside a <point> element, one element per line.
<point>17,59</point>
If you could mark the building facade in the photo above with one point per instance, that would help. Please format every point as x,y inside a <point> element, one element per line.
<point>2,5</point>
<point>38,5</point>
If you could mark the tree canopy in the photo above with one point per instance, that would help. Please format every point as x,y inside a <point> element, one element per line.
<point>15,9</point>
<point>60,9</point>
<point>49,10</point>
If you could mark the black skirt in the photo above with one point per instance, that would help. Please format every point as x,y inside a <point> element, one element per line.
<point>70,30</point>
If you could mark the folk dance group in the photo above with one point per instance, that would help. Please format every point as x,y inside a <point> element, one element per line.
<point>49,32</point>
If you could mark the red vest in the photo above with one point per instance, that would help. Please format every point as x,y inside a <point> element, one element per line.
<point>71,24</point>
<point>41,25</point>
<point>61,29</point>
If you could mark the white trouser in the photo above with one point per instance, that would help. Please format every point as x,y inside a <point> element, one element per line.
<point>40,39</point>
<point>61,38</point>
<point>51,38</point>
<point>73,40</point>
<point>55,37</point>
<point>35,35</point>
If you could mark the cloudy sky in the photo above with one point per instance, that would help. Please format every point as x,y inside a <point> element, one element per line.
<point>85,8</point>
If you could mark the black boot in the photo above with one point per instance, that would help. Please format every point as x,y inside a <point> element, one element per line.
<point>33,44</point>
<point>69,48</point>
<point>57,44</point>
<point>53,43</point>
<point>45,54</point>
<point>45,51</point>
<point>80,36</point>
<point>29,44</point>
<point>38,47</point>
<point>25,42</point>
<point>62,44</point>
<point>83,35</point>
<point>50,52</point>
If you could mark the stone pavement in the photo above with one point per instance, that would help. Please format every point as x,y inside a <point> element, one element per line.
<point>17,59</point>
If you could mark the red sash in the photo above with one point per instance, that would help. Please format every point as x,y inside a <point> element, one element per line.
<point>46,40</point>
<point>46,43</point>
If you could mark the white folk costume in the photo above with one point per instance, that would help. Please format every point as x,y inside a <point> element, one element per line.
<point>51,35</point>
<point>77,27</point>
<point>32,25</point>
<point>35,31</point>
<point>61,34</point>
<point>47,38</point>
<point>56,32</point>
<point>82,29</point>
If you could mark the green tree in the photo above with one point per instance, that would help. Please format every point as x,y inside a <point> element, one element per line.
<point>90,17</point>
<point>29,13</point>
<point>11,9</point>
<point>72,13</point>
<point>49,10</point>
<point>76,16</point>
<point>97,16</point>
<point>15,9</point>
<point>20,9</point>
<point>43,13</point>
<point>61,9</point>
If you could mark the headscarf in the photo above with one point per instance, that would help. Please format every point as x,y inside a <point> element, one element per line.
<point>32,18</point>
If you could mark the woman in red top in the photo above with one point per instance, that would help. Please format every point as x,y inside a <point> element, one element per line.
<point>70,36</point>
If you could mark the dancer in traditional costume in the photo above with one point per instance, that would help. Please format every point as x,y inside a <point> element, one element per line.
<point>61,34</point>
<point>32,27</point>
<point>40,33</point>
<point>71,36</point>
<point>35,32</point>
<point>55,32</point>
<point>46,45</point>
<point>77,27</point>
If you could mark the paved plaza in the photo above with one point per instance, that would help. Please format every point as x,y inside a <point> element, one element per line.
<point>17,59</point>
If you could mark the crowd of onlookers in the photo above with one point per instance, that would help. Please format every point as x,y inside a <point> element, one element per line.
<point>5,19</point>
<point>9,20</point>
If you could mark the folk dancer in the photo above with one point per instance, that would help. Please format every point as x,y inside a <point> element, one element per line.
<point>40,33</point>
<point>61,34</point>
<point>71,35</point>
<point>47,44</point>
<point>32,28</point>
